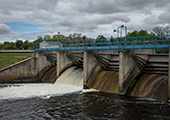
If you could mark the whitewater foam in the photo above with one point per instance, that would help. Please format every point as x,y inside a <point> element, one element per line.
<point>70,81</point>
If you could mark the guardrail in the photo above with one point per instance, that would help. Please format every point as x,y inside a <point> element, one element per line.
<point>121,43</point>
<point>13,61</point>
<point>16,51</point>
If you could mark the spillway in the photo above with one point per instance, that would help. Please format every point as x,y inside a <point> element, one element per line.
<point>70,81</point>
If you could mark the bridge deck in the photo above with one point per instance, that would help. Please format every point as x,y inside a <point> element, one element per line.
<point>119,48</point>
<point>119,44</point>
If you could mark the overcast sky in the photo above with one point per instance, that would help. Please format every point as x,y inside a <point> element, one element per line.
<point>27,19</point>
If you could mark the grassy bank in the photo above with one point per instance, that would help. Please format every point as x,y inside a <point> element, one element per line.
<point>5,57</point>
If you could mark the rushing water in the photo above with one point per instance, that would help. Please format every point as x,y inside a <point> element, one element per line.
<point>91,105</point>
<point>66,100</point>
<point>70,81</point>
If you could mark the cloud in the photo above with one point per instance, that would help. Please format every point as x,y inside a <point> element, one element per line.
<point>4,29</point>
<point>89,17</point>
<point>107,18</point>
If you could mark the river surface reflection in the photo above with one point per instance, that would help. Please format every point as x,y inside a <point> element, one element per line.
<point>82,106</point>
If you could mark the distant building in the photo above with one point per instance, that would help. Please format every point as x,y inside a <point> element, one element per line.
<point>50,44</point>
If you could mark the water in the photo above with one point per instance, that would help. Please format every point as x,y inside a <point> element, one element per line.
<point>70,81</point>
<point>78,105</point>
<point>66,100</point>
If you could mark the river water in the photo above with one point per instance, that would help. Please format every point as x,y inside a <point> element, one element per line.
<point>67,100</point>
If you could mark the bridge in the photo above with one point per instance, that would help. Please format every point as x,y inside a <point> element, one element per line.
<point>130,56</point>
<point>119,44</point>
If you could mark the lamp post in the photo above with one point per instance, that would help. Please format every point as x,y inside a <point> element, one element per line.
<point>114,32</point>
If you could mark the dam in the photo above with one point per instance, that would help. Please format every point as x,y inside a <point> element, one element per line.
<point>51,82</point>
<point>125,61</point>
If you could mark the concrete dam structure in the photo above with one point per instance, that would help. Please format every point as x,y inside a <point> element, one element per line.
<point>140,73</point>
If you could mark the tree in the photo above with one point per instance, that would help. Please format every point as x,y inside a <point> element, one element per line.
<point>101,39</point>
<point>26,44</point>
<point>84,37</point>
<point>74,36</point>
<point>133,34</point>
<point>47,37</point>
<point>19,44</point>
<point>70,37</point>
<point>6,43</point>
<point>160,30</point>
<point>1,46</point>
<point>38,40</point>
<point>143,33</point>
<point>79,36</point>
<point>13,46</point>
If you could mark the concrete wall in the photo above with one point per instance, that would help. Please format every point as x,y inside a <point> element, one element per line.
<point>29,70</point>
<point>128,70</point>
<point>91,67</point>
<point>63,62</point>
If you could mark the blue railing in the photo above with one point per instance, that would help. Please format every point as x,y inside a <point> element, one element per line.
<point>14,60</point>
<point>121,43</point>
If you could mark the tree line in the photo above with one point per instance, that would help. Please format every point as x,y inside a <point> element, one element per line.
<point>27,45</point>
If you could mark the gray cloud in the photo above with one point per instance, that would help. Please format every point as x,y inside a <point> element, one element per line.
<point>4,29</point>
<point>116,6</point>
<point>90,17</point>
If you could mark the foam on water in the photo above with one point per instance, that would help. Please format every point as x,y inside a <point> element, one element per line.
<point>70,81</point>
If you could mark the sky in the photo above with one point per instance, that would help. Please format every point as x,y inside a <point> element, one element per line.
<point>27,19</point>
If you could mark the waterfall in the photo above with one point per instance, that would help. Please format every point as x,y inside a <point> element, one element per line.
<point>73,76</point>
<point>70,81</point>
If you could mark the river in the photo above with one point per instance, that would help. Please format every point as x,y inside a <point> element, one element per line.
<point>82,106</point>
<point>67,100</point>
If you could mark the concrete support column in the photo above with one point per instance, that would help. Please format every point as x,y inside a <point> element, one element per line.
<point>121,70</point>
<point>62,62</point>
<point>126,66</point>
<point>89,63</point>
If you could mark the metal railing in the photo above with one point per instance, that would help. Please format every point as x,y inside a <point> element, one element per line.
<point>14,60</point>
<point>121,43</point>
<point>16,51</point>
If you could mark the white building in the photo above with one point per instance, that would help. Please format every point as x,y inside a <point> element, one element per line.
<point>50,44</point>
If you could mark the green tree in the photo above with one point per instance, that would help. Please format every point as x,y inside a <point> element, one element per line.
<point>13,46</point>
<point>31,45</point>
<point>143,33</point>
<point>74,36</point>
<point>19,44</point>
<point>26,44</point>
<point>101,39</point>
<point>79,36</point>
<point>84,37</point>
<point>1,45</point>
<point>6,43</point>
<point>38,40</point>
<point>47,37</point>
<point>133,34</point>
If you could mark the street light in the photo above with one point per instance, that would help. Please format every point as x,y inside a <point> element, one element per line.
<point>114,32</point>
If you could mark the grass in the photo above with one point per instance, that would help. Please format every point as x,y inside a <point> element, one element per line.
<point>5,57</point>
